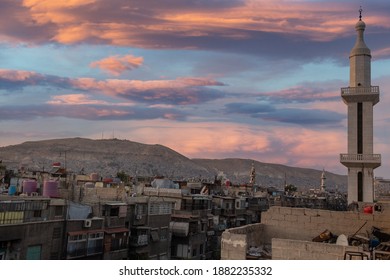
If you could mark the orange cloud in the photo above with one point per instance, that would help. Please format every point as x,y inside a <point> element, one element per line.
<point>116,65</point>
<point>81,20</point>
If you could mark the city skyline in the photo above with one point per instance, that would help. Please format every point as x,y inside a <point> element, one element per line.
<point>209,79</point>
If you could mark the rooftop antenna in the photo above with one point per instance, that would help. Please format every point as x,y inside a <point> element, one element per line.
<point>360,13</point>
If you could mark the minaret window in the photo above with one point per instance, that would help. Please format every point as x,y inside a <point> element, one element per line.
<point>360,128</point>
<point>360,186</point>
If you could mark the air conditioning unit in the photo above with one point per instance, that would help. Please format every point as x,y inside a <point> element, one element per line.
<point>87,223</point>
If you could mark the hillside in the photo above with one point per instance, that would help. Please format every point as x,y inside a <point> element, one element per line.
<point>108,156</point>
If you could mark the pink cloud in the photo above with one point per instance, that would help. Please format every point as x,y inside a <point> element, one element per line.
<point>82,99</point>
<point>293,146</point>
<point>116,65</point>
<point>185,90</point>
<point>142,24</point>
<point>18,75</point>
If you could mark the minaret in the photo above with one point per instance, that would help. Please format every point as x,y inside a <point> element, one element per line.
<point>360,97</point>
<point>252,180</point>
<point>323,178</point>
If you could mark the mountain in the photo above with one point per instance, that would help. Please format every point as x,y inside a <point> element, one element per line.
<point>109,156</point>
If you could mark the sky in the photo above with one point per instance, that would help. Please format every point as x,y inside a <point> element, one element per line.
<point>250,79</point>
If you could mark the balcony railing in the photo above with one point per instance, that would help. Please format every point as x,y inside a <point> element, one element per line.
<point>359,90</point>
<point>369,160</point>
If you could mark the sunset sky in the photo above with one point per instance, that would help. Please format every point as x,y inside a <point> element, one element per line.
<point>251,79</point>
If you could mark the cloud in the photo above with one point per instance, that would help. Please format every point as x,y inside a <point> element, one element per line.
<point>81,99</point>
<point>300,29</point>
<point>17,79</point>
<point>180,91</point>
<point>93,112</point>
<point>302,117</point>
<point>249,108</point>
<point>116,65</point>
<point>296,146</point>
<point>298,116</point>
<point>305,93</point>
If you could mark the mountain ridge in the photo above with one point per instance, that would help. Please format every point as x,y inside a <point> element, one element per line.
<point>109,156</point>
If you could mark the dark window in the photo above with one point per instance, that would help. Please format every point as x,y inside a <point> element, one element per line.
<point>114,212</point>
<point>58,211</point>
<point>37,213</point>
<point>360,186</point>
<point>360,128</point>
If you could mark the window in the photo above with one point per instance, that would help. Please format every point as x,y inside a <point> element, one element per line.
<point>164,233</point>
<point>140,209</point>
<point>360,128</point>
<point>77,245</point>
<point>77,237</point>
<point>95,243</point>
<point>37,213</point>
<point>114,211</point>
<point>194,252</point>
<point>154,235</point>
<point>58,211</point>
<point>161,208</point>
<point>34,252</point>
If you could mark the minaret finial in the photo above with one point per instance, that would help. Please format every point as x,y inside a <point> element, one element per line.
<point>360,13</point>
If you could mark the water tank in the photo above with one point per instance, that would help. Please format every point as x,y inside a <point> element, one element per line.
<point>29,186</point>
<point>50,188</point>
<point>12,190</point>
<point>89,185</point>
<point>367,209</point>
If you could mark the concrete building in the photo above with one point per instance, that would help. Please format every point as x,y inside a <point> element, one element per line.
<point>360,97</point>
<point>31,228</point>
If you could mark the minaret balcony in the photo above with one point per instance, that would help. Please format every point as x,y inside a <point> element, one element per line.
<point>360,94</point>
<point>361,160</point>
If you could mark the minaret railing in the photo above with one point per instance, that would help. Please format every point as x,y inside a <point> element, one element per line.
<point>360,157</point>
<point>359,90</point>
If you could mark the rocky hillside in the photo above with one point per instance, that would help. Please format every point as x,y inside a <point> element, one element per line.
<point>108,156</point>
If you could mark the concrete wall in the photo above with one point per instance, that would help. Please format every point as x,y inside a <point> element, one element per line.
<point>290,229</point>
<point>305,224</point>
<point>287,249</point>
<point>236,241</point>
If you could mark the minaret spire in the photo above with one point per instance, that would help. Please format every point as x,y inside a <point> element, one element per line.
<point>360,13</point>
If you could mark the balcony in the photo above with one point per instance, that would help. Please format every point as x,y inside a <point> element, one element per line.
<point>361,160</point>
<point>360,94</point>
